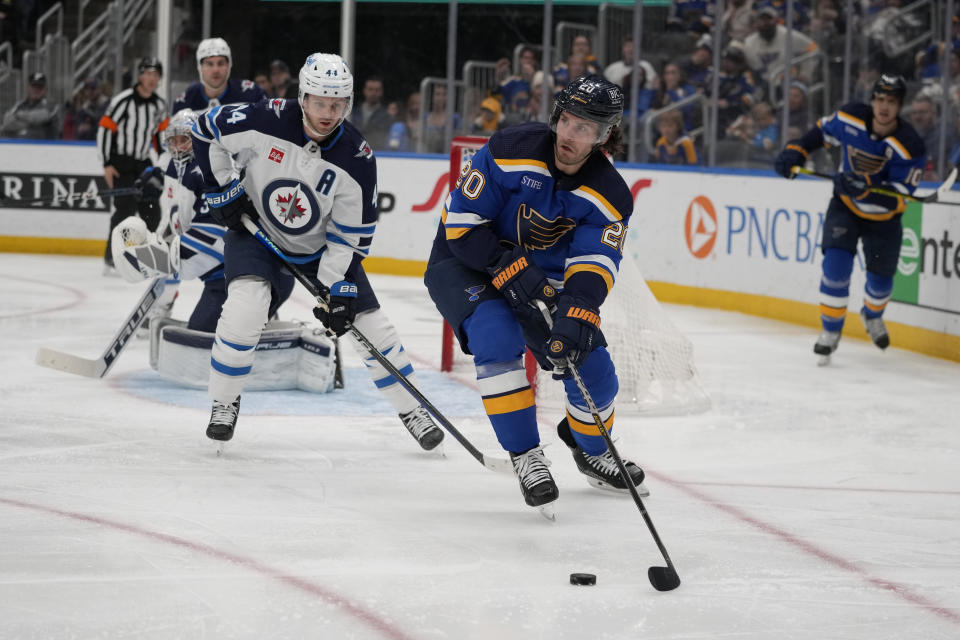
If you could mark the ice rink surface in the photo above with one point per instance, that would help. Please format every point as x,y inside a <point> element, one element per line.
<point>819,503</point>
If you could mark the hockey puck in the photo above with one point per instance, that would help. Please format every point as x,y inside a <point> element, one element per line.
<point>583,578</point>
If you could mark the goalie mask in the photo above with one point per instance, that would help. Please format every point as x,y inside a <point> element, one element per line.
<point>176,138</point>
<point>326,75</point>
<point>593,98</point>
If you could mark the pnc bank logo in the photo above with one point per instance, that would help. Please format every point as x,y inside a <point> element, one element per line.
<point>700,227</point>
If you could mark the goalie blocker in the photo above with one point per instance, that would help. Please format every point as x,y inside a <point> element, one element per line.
<point>290,355</point>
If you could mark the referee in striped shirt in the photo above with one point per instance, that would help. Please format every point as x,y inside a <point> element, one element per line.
<point>128,130</point>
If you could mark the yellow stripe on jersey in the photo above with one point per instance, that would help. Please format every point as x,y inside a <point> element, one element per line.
<point>852,120</point>
<point>522,164</point>
<point>796,147</point>
<point>877,217</point>
<point>516,401</point>
<point>589,428</point>
<point>832,312</point>
<point>600,201</point>
<point>591,268</point>
<point>899,148</point>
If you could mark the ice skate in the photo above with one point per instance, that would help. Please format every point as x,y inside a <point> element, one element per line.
<point>536,484</point>
<point>876,329</point>
<point>223,420</point>
<point>601,470</point>
<point>421,426</point>
<point>825,346</point>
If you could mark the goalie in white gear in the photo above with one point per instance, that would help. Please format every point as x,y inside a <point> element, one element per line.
<point>215,87</point>
<point>310,180</point>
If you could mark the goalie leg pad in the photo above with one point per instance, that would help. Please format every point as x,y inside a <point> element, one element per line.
<point>376,326</point>
<point>600,379</point>
<point>238,331</point>
<point>496,340</point>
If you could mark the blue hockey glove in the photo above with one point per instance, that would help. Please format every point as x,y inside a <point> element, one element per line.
<point>787,160</point>
<point>574,334</point>
<point>228,204</point>
<point>341,308</point>
<point>850,185</point>
<point>521,281</point>
<point>150,184</point>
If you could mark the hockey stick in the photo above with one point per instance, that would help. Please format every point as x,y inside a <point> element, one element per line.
<point>494,464</point>
<point>662,578</point>
<point>6,201</point>
<point>936,196</point>
<point>98,367</point>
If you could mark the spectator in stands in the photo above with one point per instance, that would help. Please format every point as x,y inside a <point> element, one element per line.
<point>573,68</point>
<point>866,79</point>
<point>435,132</point>
<point>581,46</point>
<point>799,109</point>
<point>646,95</point>
<point>502,71</point>
<point>617,70</point>
<point>676,88</point>
<point>759,129</point>
<point>404,131</point>
<point>370,116</point>
<point>515,90</point>
<point>263,81</point>
<point>83,115</point>
<point>283,85</point>
<point>696,68</point>
<point>923,117</point>
<point>738,19</point>
<point>691,16</point>
<point>801,18</point>
<point>33,117</point>
<point>736,91</point>
<point>674,146</point>
<point>490,118</point>
<point>531,111</point>
<point>765,49</point>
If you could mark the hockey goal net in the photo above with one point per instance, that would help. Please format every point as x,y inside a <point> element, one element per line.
<point>654,360</point>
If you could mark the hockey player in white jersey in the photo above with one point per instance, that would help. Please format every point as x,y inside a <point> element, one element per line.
<point>310,180</point>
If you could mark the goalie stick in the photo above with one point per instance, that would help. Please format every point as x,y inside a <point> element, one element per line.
<point>936,196</point>
<point>494,464</point>
<point>98,367</point>
<point>7,201</point>
<point>662,578</point>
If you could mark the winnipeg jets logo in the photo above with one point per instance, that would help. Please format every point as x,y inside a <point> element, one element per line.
<point>364,151</point>
<point>277,105</point>
<point>246,85</point>
<point>291,206</point>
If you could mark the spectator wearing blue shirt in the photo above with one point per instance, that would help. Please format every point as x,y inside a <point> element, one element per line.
<point>674,146</point>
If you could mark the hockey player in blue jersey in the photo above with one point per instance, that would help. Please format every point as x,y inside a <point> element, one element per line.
<point>540,214</point>
<point>878,149</point>
<point>215,87</point>
<point>310,180</point>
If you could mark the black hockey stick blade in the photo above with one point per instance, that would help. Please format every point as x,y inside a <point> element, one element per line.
<point>663,578</point>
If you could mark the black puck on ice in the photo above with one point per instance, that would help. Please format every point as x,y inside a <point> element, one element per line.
<point>583,578</point>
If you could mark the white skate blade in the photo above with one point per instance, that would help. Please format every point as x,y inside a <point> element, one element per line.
<point>642,490</point>
<point>548,511</point>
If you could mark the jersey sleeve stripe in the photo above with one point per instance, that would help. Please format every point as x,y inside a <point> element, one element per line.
<point>212,229</point>
<point>212,122</point>
<point>607,209</point>
<point>107,123</point>
<point>330,237</point>
<point>899,148</point>
<point>590,268</point>
<point>851,120</point>
<point>454,219</point>
<point>523,164</point>
<point>365,230</point>
<point>199,247</point>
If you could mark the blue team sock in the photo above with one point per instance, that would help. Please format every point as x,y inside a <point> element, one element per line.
<point>835,288</point>
<point>877,292</point>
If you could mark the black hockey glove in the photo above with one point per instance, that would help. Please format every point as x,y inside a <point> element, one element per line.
<point>787,160</point>
<point>521,281</point>
<point>150,184</point>
<point>850,184</point>
<point>341,308</point>
<point>574,334</point>
<point>228,204</point>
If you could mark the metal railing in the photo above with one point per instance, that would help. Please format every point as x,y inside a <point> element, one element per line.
<point>11,89</point>
<point>649,120</point>
<point>480,79</point>
<point>821,86</point>
<point>566,32</point>
<point>432,138</point>
<point>56,11</point>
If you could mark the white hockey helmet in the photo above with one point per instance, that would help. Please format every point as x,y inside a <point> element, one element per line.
<point>213,47</point>
<point>181,124</point>
<point>328,76</point>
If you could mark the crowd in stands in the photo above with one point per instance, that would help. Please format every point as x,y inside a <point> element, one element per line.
<point>672,75</point>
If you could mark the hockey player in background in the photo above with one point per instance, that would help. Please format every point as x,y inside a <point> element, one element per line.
<point>310,180</point>
<point>879,149</point>
<point>190,242</point>
<point>540,214</point>
<point>215,87</point>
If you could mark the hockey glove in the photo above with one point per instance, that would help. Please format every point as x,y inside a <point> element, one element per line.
<point>228,205</point>
<point>574,334</point>
<point>341,308</point>
<point>521,281</point>
<point>850,184</point>
<point>150,184</point>
<point>788,159</point>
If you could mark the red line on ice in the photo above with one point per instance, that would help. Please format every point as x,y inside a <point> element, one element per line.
<point>364,616</point>
<point>78,297</point>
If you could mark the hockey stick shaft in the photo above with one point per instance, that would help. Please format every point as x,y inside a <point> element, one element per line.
<point>667,579</point>
<point>98,367</point>
<point>494,464</point>
<point>930,198</point>
<point>126,191</point>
